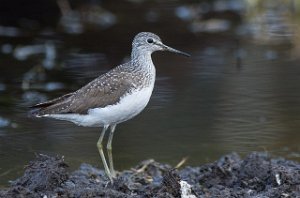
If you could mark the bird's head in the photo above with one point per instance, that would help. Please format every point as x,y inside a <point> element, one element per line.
<point>147,42</point>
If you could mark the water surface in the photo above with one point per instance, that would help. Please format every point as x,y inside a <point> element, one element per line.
<point>239,92</point>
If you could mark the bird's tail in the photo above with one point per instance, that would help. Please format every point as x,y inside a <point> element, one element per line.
<point>51,106</point>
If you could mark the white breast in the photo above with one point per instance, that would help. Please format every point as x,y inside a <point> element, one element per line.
<point>129,106</point>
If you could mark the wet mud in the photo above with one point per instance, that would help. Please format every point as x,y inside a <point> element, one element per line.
<point>257,175</point>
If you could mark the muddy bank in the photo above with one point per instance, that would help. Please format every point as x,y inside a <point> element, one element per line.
<point>257,175</point>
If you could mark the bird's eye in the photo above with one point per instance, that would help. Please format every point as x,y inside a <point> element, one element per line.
<point>149,40</point>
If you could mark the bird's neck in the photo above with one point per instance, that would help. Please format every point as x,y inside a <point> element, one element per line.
<point>142,65</point>
<point>143,60</point>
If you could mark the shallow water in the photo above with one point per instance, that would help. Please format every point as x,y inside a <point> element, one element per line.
<point>239,92</point>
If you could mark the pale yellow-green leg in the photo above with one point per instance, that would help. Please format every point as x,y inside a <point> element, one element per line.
<point>109,150</point>
<point>100,149</point>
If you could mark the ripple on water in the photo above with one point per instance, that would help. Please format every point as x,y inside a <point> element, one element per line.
<point>4,122</point>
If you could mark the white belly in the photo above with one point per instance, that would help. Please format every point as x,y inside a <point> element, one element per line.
<point>128,107</point>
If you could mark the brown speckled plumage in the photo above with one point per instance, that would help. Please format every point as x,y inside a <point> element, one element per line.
<point>105,90</point>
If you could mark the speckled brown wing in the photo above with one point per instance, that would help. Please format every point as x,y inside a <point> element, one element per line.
<point>100,93</point>
<point>103,91</point>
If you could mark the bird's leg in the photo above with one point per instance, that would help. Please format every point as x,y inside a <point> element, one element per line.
<point>109,150</point>
<point>100,149</point>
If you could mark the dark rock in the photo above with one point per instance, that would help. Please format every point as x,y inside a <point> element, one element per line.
<point>42,176</point>
<point>258,175</point>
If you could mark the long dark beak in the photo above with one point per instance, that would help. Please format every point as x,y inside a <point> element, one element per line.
<point>170,49</point>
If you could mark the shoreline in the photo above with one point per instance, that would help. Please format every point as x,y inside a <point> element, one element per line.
<point>257,175</point>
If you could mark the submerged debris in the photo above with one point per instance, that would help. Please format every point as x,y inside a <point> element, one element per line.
<point>256,176</point>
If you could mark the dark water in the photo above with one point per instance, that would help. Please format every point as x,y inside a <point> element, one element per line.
<point>239,92</point>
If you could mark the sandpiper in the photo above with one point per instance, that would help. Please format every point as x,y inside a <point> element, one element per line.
<point>113,97</point>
